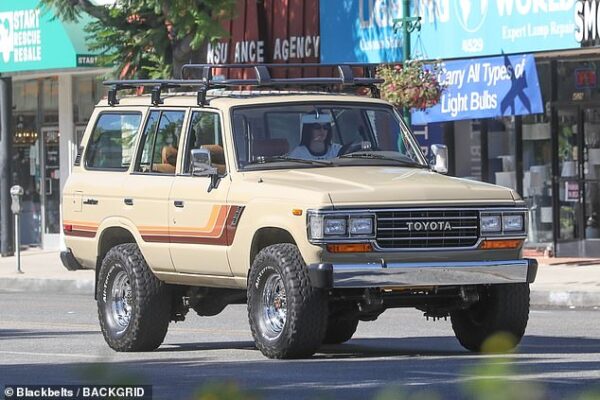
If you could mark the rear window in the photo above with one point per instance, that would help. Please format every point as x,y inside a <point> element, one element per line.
<point>112,142</point>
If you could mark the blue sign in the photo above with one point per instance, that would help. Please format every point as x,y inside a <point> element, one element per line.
<point>363,30</point>
<point>486,88</point>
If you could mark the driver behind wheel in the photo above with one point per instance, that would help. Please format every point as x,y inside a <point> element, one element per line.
<point>315,143</point>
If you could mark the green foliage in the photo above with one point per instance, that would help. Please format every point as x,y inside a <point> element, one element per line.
<point>149,38</point>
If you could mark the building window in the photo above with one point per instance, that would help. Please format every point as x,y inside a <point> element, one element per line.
<point>87,92</point>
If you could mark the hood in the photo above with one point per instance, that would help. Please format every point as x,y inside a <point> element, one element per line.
<point>384,186</point>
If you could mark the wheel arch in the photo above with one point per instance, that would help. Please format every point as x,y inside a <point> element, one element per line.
<point>109,238</point>
<point>268,236</point>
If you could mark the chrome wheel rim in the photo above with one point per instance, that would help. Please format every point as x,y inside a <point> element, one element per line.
<point>274,306</point>
<point>120,301</point>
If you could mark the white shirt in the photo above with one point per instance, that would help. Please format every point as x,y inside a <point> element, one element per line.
<point>303,153</point>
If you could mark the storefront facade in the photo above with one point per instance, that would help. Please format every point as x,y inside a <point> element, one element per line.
<point>54,86</point>
<point>544,141</point>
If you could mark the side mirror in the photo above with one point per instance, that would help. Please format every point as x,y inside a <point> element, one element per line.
<point>439,154</point>
<point>201,166</point>
<point>201,163</point>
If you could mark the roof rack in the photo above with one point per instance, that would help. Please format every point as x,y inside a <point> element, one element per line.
<point>262,78</point>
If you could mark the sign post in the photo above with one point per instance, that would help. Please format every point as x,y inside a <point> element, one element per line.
<point>408,25</point>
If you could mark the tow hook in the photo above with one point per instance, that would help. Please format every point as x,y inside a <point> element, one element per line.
<point>371,301</point>
<point>469,295</point>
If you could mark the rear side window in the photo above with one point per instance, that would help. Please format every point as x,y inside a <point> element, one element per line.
<point>112,142</point>
<point>160,142</point>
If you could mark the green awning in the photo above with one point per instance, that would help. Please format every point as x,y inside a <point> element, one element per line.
<point>33,40</point>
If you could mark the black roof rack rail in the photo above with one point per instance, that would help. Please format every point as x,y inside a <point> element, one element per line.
<point>262,78</point>
<point>158,85</point>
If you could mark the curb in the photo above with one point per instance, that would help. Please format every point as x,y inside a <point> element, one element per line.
<point>539,298</point>
<point>565,299</point>
<point>50,286</point>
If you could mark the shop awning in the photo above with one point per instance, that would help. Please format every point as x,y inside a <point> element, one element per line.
<point>34,40</point>
<point>486,88</point>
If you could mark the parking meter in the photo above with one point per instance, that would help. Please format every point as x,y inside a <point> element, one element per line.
<point>16,192</point>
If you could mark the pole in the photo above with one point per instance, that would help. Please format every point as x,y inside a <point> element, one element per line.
<point>406,49</point>
<point>6,232</point>
<point>18,243</point>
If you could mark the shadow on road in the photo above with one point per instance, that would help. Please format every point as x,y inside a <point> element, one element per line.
<point>357,369</point>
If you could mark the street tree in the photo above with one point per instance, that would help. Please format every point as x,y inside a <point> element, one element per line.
<point>148,38</point>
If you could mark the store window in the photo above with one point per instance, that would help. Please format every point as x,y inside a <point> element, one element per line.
<point>501,151</point>
<point>25,168</point>
<point>578,80</point>
<point>87,92</point>
<point>50,101</point>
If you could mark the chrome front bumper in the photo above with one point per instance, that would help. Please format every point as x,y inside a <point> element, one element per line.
<point>422,273</point>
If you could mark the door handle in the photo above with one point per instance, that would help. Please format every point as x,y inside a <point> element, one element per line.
<point>90,202</point>
<point>128,202</point>
<point>178,203</point>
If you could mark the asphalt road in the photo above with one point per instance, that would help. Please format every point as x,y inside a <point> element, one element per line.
<point>55,339</point>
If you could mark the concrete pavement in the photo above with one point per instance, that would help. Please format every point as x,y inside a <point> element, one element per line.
<point>560,282</point>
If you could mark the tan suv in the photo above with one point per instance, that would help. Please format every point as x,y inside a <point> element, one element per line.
<point>315,208</point>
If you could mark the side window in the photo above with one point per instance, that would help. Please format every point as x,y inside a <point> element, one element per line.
<point>160,142</point>
<point>112,142</point>
<point>205,132</point>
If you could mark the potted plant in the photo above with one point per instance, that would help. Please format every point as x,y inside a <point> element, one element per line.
<point>411,85</point>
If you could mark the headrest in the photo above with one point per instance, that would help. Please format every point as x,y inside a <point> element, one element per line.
<point>217,155</point>
<point>169,155</point>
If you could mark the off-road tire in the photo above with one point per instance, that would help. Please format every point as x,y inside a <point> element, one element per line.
<point>303,330</point>
<point>340,328</point>
<point>501,308</point>
<point>150,301</point>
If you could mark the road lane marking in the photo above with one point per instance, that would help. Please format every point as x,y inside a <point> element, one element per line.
<point>35,354</point>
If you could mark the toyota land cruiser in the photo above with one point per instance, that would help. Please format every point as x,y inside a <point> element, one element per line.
<point>198,200</point>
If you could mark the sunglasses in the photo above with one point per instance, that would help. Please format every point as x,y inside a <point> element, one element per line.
<point>325,126</point>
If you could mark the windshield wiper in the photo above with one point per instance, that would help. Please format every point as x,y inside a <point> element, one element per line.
<point>375,156</point>
<point>270,159</point>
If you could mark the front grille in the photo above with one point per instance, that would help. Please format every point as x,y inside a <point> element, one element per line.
<point>422,229</point>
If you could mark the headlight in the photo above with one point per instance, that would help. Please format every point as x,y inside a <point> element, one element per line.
<point>512,223</point>
<point>339,226</point>
<point>361,225</point>
<point>491,223</point>
<point>334,227</point>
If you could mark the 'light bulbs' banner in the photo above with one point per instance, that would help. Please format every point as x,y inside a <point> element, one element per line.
<point>485,88</point>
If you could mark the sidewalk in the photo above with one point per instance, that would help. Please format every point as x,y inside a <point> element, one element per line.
<point>561,282</point>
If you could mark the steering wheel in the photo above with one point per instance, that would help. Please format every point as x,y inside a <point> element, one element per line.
<point>350,147</point>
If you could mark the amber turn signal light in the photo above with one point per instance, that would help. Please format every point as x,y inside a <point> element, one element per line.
<point>501,244</point>
<point>349,248</point>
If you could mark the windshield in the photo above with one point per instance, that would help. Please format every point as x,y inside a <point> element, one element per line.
<point>325,135</point>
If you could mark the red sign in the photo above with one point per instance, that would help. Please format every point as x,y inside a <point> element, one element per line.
<point>585,78</point>
<point>571,191</point>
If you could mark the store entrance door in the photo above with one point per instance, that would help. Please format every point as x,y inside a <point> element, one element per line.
<point>578,208</point>
<point>49,187</point>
